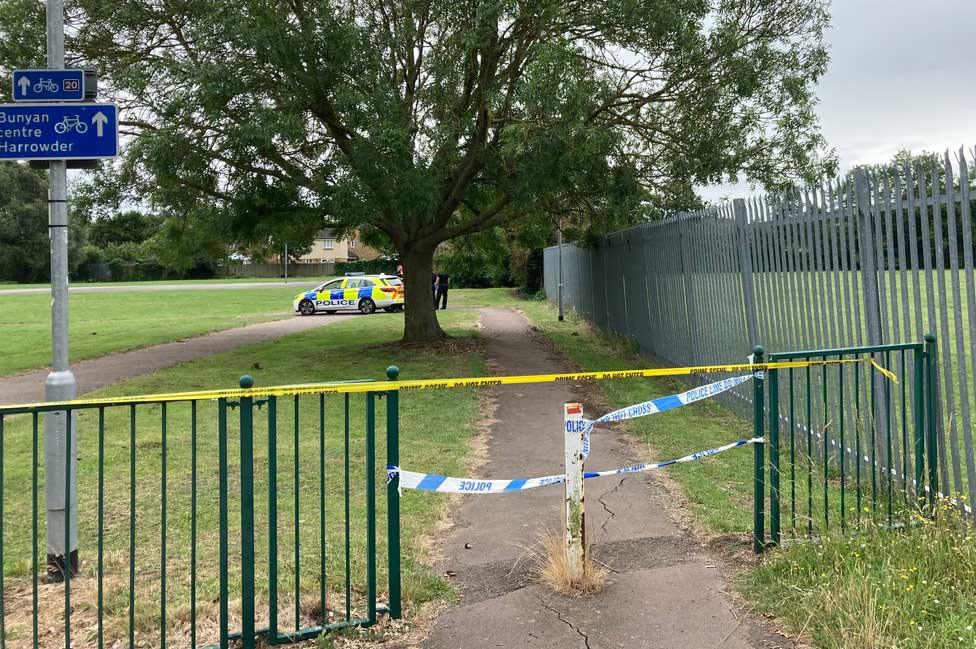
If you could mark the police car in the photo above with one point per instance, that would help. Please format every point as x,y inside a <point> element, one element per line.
<point>364,293</point>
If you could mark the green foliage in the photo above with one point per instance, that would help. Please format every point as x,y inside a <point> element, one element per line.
<point>24,243</point>
<point>123,227</point>
<point>878,588</point>
<point>478,260</point>
<point>431,120</point>
<point>22,39</point>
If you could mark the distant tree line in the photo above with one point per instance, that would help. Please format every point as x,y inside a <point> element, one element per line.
<point>127,244</point>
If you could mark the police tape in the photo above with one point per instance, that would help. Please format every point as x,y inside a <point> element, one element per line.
<point>339,387</point>
<point>661,404</point>
<point>445,484</point>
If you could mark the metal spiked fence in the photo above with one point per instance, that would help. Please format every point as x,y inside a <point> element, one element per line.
<point>872,259</point>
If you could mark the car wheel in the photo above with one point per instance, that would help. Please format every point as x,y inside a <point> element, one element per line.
<point>367,306</point>
<point>306,307</point>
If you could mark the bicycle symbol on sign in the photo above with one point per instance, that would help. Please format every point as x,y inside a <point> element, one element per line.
<point>70,123</point>
<point>46,85</point>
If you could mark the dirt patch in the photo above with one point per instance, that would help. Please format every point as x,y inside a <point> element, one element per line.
<point>452,346</point>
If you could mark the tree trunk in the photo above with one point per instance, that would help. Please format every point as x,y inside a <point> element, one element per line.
<point>420,317</point>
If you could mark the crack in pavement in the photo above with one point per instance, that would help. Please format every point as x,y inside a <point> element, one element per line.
<point>559,616</point>
<point>603,527</point>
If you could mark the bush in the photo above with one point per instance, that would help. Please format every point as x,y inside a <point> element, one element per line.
<point>476,261</point>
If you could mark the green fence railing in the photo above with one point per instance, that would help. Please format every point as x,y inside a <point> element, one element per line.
<point>202,522</point>
<point>845,441</point>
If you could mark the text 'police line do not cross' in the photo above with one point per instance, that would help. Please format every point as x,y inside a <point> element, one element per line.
<point>53,121</point>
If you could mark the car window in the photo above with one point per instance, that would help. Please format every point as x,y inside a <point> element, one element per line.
<point>354,283</point>
<point>365,283</point>
<point>394,281</point>
<point>329,286</point>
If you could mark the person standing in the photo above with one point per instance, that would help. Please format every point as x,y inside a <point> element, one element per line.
<point>440,297</point>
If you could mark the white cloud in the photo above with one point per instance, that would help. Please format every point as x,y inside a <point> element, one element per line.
<point>901,77</point>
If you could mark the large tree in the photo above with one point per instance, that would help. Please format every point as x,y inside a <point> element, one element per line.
<point>433,119</point>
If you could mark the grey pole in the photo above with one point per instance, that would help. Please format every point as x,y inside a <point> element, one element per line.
<point>559,245</point>
<point>286,263</point>
<point>60,384</point>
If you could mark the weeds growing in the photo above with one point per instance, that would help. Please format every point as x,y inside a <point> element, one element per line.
<point>879,588</point>
<point>554,570</point>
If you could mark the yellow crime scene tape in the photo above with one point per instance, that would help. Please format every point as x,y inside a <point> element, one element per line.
<point>436,384</point>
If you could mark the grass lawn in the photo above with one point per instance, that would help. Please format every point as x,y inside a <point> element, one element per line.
<point>102,323</point>
<point>879,589</point>
<point>223,280</point>
<point>434,431</point>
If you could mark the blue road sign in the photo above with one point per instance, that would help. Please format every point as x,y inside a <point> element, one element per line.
<point>58,131</point>
<point>49,85</point>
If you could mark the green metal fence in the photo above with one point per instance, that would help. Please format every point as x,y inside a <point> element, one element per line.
<point>844,442</point>
<point>203,523</point>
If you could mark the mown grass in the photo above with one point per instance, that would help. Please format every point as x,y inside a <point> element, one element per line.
<point>434,431</point>
<point>873,587</point>
<point>103,323</point>
<point>222,280</point>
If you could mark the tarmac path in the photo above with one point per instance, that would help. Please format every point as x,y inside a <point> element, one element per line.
<point>663,591</point>
<point>103,371</point>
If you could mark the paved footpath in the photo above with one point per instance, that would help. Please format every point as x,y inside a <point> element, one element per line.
<point>663,592</point>
<point>103,371</point>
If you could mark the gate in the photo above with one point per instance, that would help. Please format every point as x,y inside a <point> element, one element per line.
<point>206,518</point>
<point>850,440</point>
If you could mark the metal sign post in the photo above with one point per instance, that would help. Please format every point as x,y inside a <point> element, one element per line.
<point>57,133</point>
<point>575,517</point>
<point>559,244</point>
<point>62,507</point>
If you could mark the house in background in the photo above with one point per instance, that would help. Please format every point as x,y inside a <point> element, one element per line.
<point>328,248</point>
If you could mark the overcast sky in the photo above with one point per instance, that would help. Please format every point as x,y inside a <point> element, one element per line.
<point>902,76</point>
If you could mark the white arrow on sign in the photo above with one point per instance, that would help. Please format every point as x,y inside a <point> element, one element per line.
<point>99,120</point>
<point>24,84</point>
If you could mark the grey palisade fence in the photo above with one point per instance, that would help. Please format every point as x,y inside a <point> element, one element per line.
<point>880,257</point>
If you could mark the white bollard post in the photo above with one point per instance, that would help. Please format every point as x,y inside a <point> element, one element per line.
<point>575,519</point>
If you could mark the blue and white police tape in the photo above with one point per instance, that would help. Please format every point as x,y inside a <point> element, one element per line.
<point>662,404</point>
<point>445,484</point>
<point>640,468</point>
